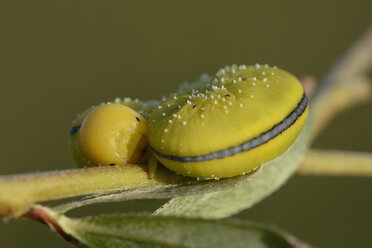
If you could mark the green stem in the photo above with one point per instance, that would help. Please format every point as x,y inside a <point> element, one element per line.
<point>336,163</point>
<point>17,193</point>
<point>346,84</point>
<point>337,99</point>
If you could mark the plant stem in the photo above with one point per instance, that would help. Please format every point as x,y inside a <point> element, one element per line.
<point>346,84</point>
<point>336,163</point>
<point>17,193</point>
<point>342,97</point>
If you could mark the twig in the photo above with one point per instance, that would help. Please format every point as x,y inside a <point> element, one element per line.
<point>336,163</point>
<point>17,193</point>
<point>345,85</point>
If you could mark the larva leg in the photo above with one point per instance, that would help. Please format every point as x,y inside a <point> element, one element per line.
<point>152,164</point>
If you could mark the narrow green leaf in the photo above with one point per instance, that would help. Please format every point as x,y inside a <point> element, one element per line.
<point>232,200</point>
<point>136,231</point>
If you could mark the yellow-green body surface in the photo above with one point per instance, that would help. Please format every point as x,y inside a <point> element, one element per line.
<point>110,134</point>
<point>228,125</point>
<point>214,128</point>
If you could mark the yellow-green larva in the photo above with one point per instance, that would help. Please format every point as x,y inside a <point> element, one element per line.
<point>228,125</point>
<point>213,128</point>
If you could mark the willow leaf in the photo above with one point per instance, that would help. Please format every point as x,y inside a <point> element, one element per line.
<point>142,231</point>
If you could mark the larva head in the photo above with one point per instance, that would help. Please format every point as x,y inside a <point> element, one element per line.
<point>230,124</point>
<point>110,134</point>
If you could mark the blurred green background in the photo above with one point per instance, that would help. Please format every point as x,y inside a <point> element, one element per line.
<point>57,58</point>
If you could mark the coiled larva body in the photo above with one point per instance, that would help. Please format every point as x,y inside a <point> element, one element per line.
<point>213,128</point>
<point>229,125</point>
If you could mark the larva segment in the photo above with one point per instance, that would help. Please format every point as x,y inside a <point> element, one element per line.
<point>110,134</point>
<point>239,105</point>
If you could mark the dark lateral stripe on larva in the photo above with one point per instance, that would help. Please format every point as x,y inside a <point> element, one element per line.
<point>74,130</point>
<point>248,145</point>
